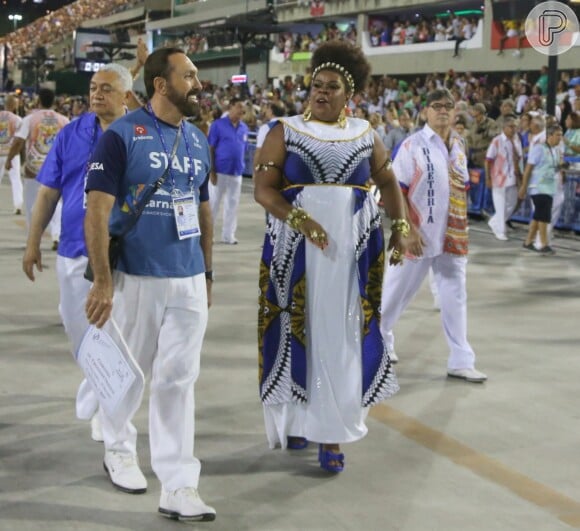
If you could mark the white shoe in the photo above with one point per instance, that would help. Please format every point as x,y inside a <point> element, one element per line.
<point>469,375</point>
<point>498,235</point>
<point>185,504</point>
<point>124,472</point>
<point>96,432</point>
<point>394,358</point>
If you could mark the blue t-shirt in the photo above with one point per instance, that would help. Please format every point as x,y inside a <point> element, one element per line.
<point>129,157</point>
<point>229,145</point>
<point>65,169</point>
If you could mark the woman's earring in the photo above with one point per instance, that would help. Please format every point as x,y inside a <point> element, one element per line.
<point>307,114</point>
<point>342,118</point>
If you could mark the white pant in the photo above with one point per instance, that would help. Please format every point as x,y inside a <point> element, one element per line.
<point>434,290</point>
<point>164,332</point>
<point>31,187</point>
<point>73,295</point>
<point>229,187</point>
<point>504,203</point>
<point>401,284</point>
<point>15,180</point>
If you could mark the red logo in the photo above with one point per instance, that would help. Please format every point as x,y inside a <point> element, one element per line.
<point>140,130</point>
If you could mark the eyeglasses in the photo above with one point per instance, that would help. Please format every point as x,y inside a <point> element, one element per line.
<point>439,106</point>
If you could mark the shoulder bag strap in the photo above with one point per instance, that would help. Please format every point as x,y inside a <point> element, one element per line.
<point>151,191</point>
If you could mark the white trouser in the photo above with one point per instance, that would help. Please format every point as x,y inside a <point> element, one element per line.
<point>31,187</point>
<point>73,295</point>
<point>401,284</point>
<point>229,187</point>
<point>15,180</point>
<point>434,290</point>
<point>164,333</point>
<point>504,203</point>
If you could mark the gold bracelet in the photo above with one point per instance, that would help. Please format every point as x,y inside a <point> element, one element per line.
<point>296,217</point>
<point>402,226</point>
<point>265,166</point>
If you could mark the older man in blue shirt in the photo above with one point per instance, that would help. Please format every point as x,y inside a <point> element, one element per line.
<point>227,140</point>
<point>63,175</point>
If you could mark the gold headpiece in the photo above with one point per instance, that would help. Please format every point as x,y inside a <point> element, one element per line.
<point>340,69</point>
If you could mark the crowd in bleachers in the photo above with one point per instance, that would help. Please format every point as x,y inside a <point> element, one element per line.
<point>59,24</point>
<point>191,43</point>
<point>387,32</point>
<point>289,43</point>
<point>387,96</point>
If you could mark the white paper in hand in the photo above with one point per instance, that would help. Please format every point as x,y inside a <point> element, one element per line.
<point>109,372</point>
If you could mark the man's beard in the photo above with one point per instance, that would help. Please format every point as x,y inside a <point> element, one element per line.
<point>185,107</point>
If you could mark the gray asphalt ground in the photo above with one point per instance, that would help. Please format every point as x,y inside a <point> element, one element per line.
<point>442,455</point>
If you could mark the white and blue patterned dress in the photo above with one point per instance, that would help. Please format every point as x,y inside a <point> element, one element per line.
<point>322,357</point>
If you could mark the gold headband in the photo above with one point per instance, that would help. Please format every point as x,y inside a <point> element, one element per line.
<point>340,69</point>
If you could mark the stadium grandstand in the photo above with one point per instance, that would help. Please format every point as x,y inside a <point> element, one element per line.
<point>400,37</point>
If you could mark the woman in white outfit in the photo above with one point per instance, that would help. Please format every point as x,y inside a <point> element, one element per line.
<point>322,359</point>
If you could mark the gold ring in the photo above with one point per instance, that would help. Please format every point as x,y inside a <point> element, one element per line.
<point>314,235</point>
<point>396,254</point>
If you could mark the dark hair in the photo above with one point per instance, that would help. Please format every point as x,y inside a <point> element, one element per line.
<point>510,118</point>
<point>157,65</point>
<point>575,118</point>
<point>46,97</point>
<point>346,55</point>
<point>277,110</point>
<point>233,101</point>
<point>461,118</point>
<point>438,94</point>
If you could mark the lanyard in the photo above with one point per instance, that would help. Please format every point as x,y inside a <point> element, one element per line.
<point>554,162</point>
<point>191,177</point>
<point>93,141</point>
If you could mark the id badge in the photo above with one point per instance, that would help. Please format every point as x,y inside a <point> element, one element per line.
<point>186,218</point>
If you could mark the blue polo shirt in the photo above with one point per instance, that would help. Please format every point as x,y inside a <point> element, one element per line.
<point>65,169</point>
<point>229,143</point>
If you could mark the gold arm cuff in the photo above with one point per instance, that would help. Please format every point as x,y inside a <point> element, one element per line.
<point>265,166</point>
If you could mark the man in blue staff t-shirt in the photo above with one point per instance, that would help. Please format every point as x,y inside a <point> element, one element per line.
<point>157,298</point>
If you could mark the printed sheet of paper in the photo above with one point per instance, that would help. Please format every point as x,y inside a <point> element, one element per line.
<point>109,372</point>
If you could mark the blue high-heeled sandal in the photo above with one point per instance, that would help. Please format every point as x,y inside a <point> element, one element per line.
<point>325,457</point>
<point>296,443</point>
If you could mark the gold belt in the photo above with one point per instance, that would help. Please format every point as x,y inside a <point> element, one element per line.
<point>363,188</point>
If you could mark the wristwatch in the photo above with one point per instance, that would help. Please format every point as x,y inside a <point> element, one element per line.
<point>209,275</point>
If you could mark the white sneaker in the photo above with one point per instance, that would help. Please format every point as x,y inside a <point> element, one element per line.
<point>500,236</point>
<point>469,375</point>
<point>124,472</point>
<point>96,432</point>
<point>185,504</point>
<point>394,358</point>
